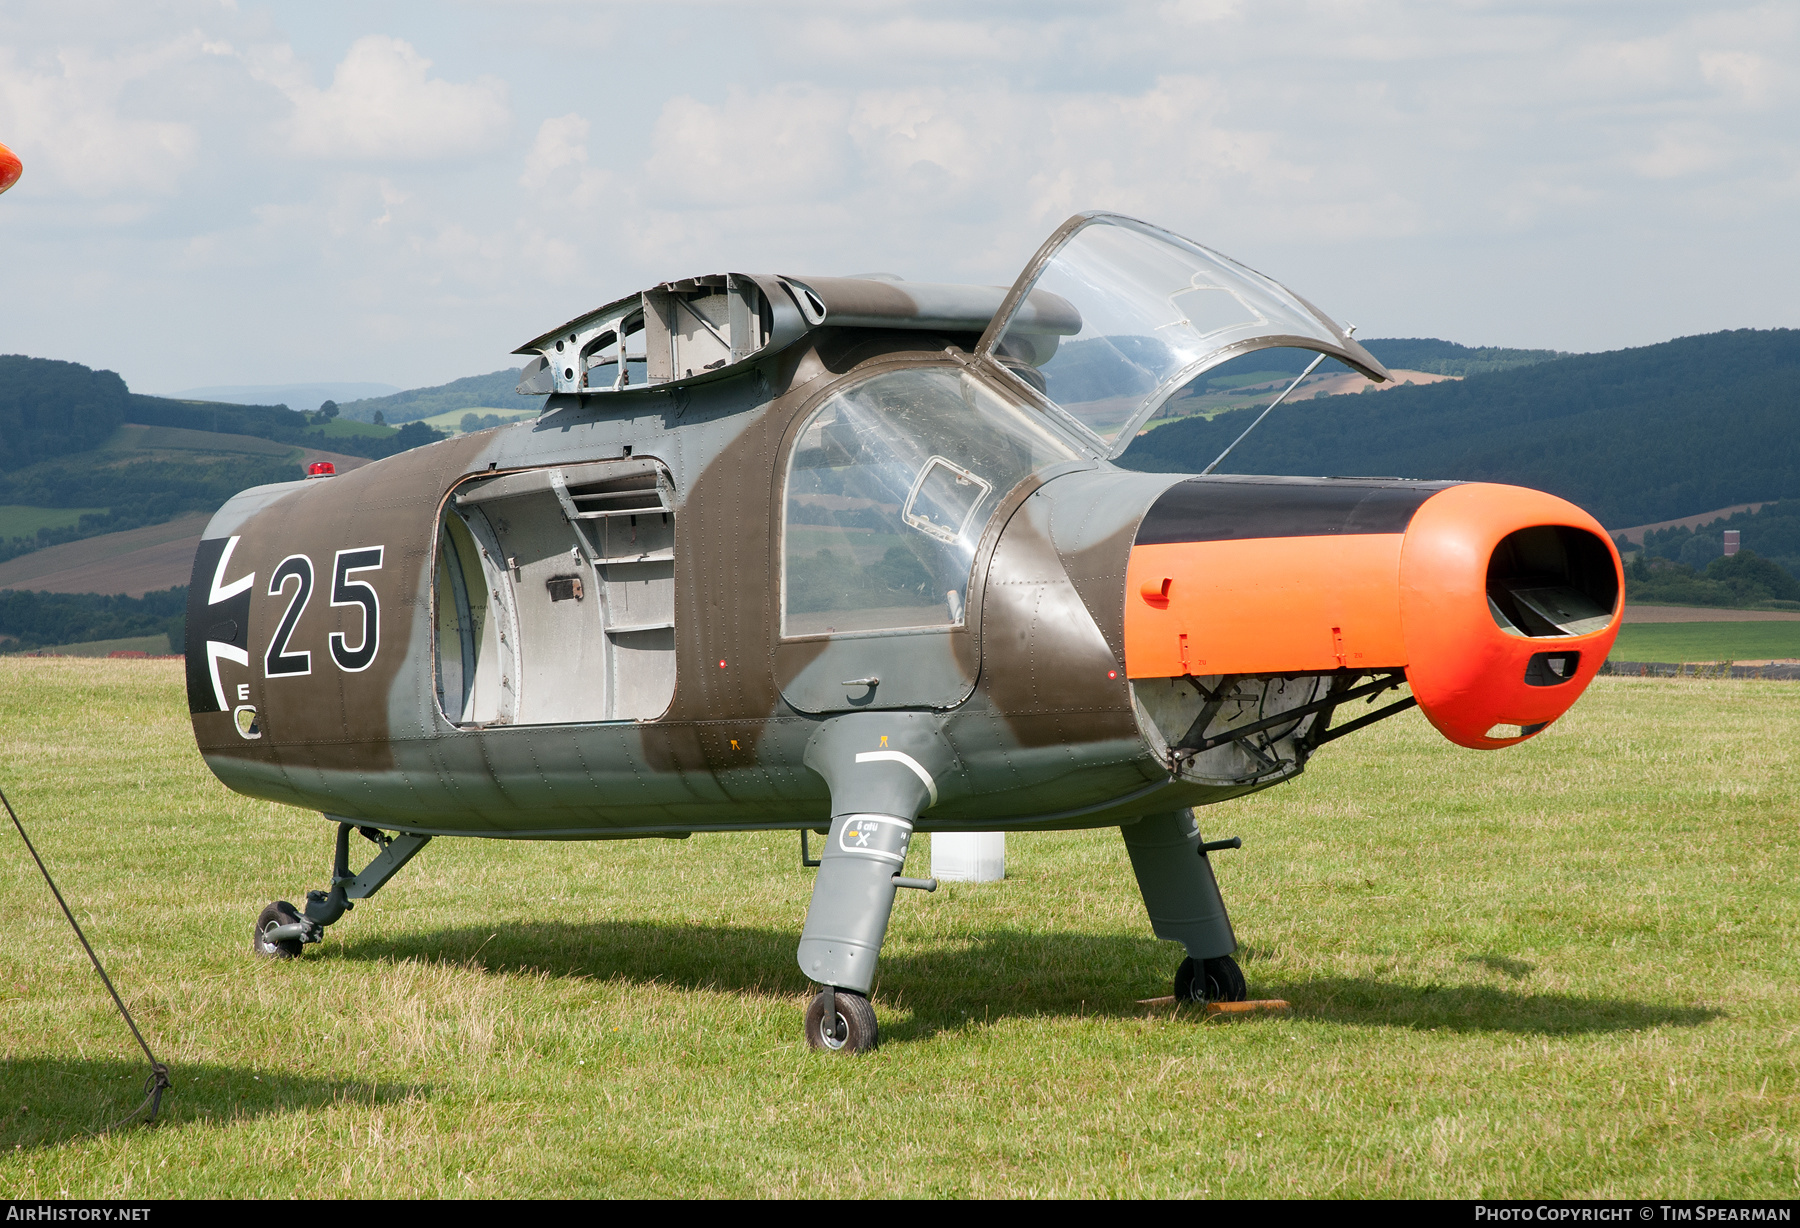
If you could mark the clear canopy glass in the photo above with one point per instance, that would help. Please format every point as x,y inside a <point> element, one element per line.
<point>1154,310</point>
<point>890,486</point>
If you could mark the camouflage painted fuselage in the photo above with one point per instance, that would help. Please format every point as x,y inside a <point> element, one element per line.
<point>1033,687</point>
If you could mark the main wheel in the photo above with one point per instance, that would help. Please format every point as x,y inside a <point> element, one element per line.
<point>279,913</point>
<point>1212,980</point>
<point>853,1028</point>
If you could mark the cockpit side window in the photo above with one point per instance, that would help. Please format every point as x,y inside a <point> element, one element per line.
<point>889,487</point>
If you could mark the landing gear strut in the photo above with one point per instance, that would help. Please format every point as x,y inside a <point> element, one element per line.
<point>281,932</point>
<point>882,769</point>
<point>1182,897</point>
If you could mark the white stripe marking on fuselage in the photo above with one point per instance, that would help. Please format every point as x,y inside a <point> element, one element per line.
<point>215,650</point>
<point>897,756</point>
<point>220,590</point>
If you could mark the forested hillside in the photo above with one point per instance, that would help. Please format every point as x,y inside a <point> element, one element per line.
<point>1772,532</point>
<point>276,422</point>
<point>50,408</point>
<point>61,446</point>
<point>1449,358</point>
<point>1634,436</point>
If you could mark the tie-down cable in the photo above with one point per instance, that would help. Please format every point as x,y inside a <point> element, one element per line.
<point>158,1082</point>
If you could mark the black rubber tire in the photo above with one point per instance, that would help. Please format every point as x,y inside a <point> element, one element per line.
<point>856,1030</point>
<point>1212,980</point>
<point>279,913</point>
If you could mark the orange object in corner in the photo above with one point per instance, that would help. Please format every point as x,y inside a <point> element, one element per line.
<point>10,168</point>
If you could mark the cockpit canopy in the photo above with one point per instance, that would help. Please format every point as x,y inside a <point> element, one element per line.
<point>1110,318</point>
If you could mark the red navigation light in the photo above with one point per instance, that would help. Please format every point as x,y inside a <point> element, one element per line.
<point>10,168</point>
<point>321,469</point>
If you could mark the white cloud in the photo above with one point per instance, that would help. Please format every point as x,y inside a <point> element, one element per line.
<point>188,167</point>
<point>1741,75</point>
<point>383,105</point>
<point>784,145</point>
<point>66,121</point>
<point>556,172</point>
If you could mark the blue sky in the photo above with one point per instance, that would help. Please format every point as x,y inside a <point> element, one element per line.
<point>402,192</point>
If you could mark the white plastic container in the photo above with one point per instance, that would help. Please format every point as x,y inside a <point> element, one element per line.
<point>969,856</point>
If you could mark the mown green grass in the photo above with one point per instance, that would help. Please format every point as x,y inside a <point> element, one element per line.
<point>20,520</point>
<point>1745,641</point>
<point>1564,969</point>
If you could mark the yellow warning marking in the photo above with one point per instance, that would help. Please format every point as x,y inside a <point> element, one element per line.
<point>884,739</point>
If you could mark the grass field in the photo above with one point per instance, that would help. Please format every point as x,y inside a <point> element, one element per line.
<point>1746,641</point>
<point>1571,968</point>
<point>18,520</point>
<point>156,645</point>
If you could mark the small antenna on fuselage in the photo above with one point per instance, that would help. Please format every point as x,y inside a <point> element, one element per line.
<point>1350,332</point>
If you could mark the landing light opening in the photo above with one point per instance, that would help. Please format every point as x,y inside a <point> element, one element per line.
<point>1550,581</point>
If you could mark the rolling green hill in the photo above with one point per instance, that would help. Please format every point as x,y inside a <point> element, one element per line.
<point>1634,436</point>
<point>478,392</point>
<point>81,455</point>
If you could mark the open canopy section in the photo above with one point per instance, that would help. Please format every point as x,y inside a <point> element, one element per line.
<point>1153,311</point>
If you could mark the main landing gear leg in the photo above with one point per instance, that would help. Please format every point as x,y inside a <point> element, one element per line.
<point>883,770</point>
<point>281,931</point>
<point>1183,900</point>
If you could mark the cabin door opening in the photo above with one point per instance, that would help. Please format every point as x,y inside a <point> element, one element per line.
<point>555,596</point>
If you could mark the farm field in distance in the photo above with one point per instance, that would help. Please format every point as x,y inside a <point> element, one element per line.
<point>1721,641</point>
<point>1567,969</point>
<point>19,520</point>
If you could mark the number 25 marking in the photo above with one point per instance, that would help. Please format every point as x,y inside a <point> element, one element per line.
<point>345,592</point>
<point>278,662</point>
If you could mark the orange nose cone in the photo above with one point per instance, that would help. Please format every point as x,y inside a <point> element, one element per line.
<point>1510,600</point>
<point>10,168</point>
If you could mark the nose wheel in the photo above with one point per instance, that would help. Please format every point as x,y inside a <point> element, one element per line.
<point>1210,980</point>
<point>851,1027</point>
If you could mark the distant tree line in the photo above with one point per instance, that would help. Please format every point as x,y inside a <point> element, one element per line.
<point>277,423</point>
<point>135,494</point>
<point>1742,580</point>
<point>55,415</point>
<point>1632,435</point>
<point>493,389</point>
<point>1773,532</point>
<point>481,422</point>
<point>36,620</point>
<point>50,408</point>
<point>1403,353</point>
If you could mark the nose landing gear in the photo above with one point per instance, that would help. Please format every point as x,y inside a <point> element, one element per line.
<point>852,1022</point>
<point>1210,980</point>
